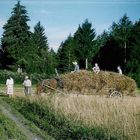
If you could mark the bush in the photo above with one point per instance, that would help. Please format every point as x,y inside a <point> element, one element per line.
<point>19,77</point>
<point>136,76</point>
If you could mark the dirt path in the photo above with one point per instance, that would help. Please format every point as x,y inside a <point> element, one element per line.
<point>6,110</point>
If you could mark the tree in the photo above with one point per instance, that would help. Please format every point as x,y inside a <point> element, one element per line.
<point>53,61</point>
<point>16,34</point>
<point>66,55</point>
<point>110,55</point>
<point>133,63</point>
<point>39,36</point>
<point>121,32</point>
<point>84,43</point>
<point>41,44</point>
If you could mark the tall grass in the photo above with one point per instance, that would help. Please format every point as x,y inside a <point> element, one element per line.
<point>120,116</point>
<point>84,116</point>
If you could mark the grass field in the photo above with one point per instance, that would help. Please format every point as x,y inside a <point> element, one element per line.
<point>18,89</point>
<point>8,129</point>
<point>81,116</point>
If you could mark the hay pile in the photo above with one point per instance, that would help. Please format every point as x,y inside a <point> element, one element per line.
<point>87,82</point>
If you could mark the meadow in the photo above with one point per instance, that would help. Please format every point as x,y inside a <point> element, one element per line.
<point>82,116</point>
<point>78,115</point>
<point>8,129</point>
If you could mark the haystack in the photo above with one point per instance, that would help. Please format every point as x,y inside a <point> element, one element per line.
<point>87,82</point>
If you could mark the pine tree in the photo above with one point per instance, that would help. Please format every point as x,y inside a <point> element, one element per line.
<point>84,43</point>
<point>66,55</point>
<point>41,45</point>
<point>39,36</point>
<point>53,62</point>
<point>133,63</point>
<point>121,32</point>
<point>16,34</point>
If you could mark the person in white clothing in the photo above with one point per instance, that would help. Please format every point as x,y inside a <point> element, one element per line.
<point>76,67</point>
<point>96,68</point>
<point>9,86</point>
<point>27,86</point>
<point>119,70</point>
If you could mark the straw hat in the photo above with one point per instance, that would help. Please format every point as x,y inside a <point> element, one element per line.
<point>26,77</point>
<point>75,63</point>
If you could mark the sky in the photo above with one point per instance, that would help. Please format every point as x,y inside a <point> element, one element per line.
<point>62,17</point>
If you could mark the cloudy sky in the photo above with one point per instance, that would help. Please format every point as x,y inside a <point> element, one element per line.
<point>62,17</point>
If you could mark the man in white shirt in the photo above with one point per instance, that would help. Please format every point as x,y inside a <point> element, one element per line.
<point>119,70</point>
<point>96,68</point>
<point>76,67</point>
<point>10,84</point>
<point>27,86</point>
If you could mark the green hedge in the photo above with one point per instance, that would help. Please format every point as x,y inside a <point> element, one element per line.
<point>19,77</point>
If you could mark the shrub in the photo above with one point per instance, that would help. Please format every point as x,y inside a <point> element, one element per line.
<point>19,77</point>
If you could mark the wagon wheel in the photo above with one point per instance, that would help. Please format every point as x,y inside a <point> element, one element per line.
<point>115,94</point>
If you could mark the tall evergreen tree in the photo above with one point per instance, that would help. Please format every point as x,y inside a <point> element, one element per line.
<point>66,55</point>
<point>16,34</point>
<point>39,36</point>
<point>41,45</point>
<point>53,61</point>
<point>133,63</point>
<point>121,32</point>
<point>84,43</point>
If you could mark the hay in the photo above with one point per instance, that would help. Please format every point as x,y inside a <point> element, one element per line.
<point>87,82</point>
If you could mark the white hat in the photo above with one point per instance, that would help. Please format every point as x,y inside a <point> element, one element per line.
<point>75,63</point>
<point>26,77</point>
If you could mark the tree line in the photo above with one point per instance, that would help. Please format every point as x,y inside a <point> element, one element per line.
<point>118,46</point>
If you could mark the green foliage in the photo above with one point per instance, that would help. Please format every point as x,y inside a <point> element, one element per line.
<point>84,43</point>
<point>19,77</point>
<point>66,55</point>
<point>21,47</point>
<point>126,35</point>
<point>39,37</point>
<point>80,47</point>
<point>133,64</point>
<point>31,50</point>
<point>8,129</point>
<point>16,34</point>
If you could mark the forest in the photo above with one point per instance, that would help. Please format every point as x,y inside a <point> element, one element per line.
<point>117,46</point>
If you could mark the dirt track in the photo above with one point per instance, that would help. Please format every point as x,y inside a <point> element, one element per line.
<point>7,111</point>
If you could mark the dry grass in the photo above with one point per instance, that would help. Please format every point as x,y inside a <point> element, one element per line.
<point>120,116</point>
<point>87,82</point>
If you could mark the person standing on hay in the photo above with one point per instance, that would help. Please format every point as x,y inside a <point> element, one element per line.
<point>119,70</point>
<point>96,68</point>
<point>9,84</point>
<point>76,67</point>
<point>27,86</point>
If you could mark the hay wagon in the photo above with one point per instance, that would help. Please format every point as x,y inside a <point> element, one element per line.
<point>89,83</point>
<point>48,85</point>
<point>112,92</point>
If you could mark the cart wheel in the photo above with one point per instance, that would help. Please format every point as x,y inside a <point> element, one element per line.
<point>115,94</point>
